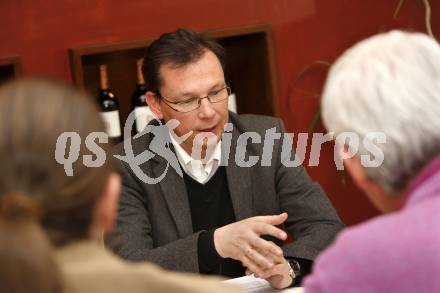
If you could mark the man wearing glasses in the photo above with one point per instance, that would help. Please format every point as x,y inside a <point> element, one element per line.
<point>213,219</point>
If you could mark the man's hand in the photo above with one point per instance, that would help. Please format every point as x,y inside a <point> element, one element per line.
<point>278,276</point>
<point>241,241</point>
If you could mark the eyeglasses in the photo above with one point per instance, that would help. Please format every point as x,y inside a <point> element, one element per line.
<point>191,104</point>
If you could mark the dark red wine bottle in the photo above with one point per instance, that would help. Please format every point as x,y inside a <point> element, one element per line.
<point>139,104</point>
<point>109,107</point>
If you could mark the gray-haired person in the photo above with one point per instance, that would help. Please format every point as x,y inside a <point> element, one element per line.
<point>388,83</point>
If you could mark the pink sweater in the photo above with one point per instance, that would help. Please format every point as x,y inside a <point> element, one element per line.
<point>397,252</point>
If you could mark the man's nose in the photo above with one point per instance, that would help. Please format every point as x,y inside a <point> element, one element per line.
<point>206,108</point>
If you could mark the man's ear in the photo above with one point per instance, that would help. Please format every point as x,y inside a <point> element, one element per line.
<point>375,193</point>
<point>107,205</point>
<point>154,105</point>
<point>354,167</point>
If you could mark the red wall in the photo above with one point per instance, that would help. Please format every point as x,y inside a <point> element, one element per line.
<point>304,30</point>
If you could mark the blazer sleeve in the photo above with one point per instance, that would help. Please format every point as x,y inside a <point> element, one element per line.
<point>132,238</point>
<point>312,221</point>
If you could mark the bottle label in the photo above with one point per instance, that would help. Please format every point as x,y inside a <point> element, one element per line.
<point>143,117</point>
<point>112,123</point>
<point>232,103</point>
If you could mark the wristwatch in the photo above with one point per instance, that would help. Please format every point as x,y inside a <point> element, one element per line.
<point>294,269</point>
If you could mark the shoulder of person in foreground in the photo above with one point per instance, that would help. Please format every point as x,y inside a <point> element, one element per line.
<point>87,267</point>
<point>382,254</point>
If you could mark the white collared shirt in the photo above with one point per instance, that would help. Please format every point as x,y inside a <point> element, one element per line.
<point>195,168</point>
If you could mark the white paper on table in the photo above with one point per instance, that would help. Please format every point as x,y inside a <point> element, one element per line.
<point>255,285</point>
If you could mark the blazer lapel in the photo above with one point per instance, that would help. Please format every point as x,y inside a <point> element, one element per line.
<point>174,191</point>
<point>239,180</point>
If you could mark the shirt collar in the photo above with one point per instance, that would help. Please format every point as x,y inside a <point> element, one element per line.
<point>185,158</point>
<point>425,183</point>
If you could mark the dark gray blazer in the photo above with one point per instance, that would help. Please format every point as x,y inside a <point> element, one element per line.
<point>154,221</point>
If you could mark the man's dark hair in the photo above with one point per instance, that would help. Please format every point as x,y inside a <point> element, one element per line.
<point>178,48</point>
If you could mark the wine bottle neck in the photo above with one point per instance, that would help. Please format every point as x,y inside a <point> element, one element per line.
<point>103,75</point>
<point>140,77</point>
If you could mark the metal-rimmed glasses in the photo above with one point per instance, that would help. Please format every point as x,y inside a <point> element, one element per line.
<point>191,104</point>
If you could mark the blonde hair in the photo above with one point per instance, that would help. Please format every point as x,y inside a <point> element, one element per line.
<point>33,113</point>
<point>26,260</point>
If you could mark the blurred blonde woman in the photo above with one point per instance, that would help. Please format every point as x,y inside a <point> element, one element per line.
<point>75,209</point>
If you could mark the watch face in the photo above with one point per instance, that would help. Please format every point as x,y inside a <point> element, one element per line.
<point>295,266</point>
